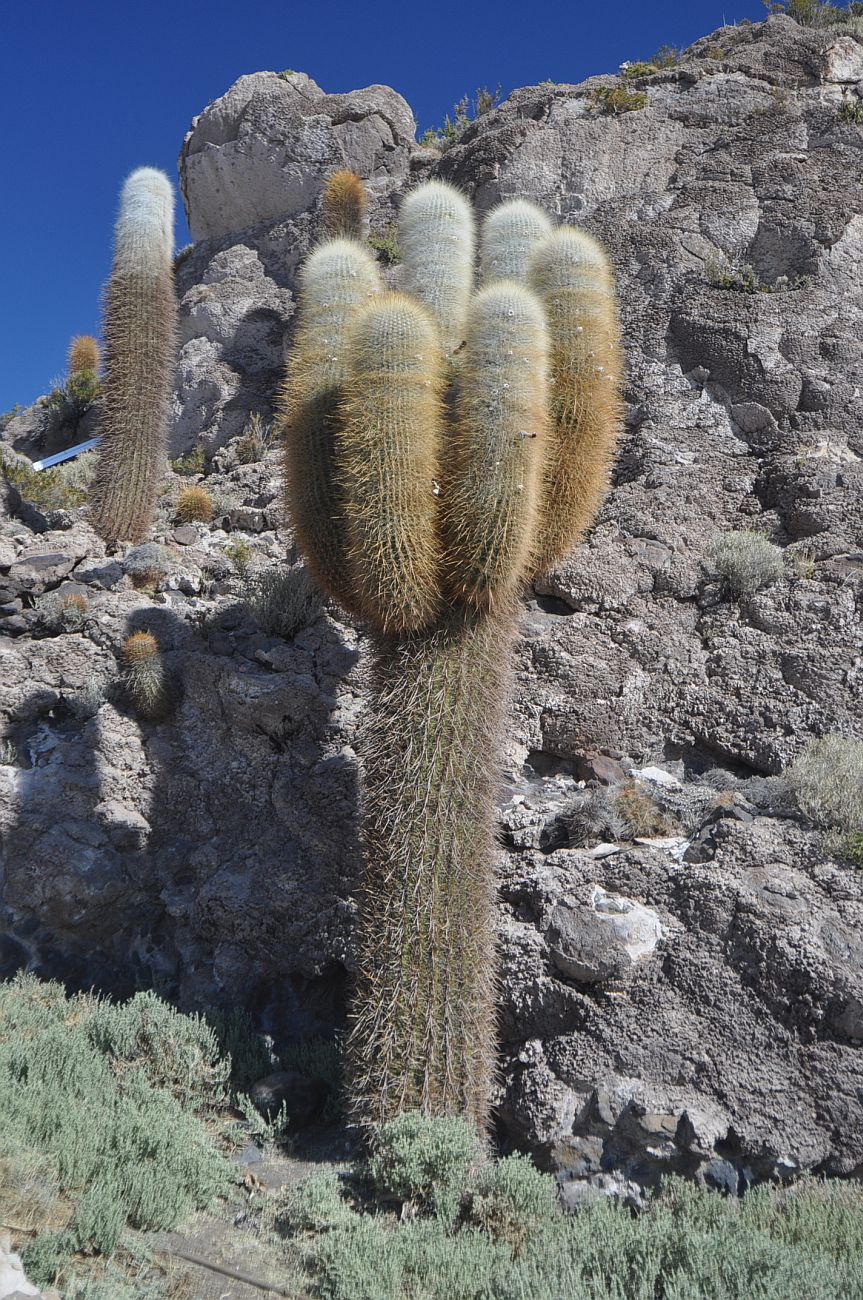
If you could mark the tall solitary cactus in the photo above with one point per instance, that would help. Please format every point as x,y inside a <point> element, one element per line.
<point>442,448</point>
<point>140,344</point>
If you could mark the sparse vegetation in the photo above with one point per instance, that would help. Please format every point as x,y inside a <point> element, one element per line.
<point>147,564</point>
<point>851,110</point>
<point>240,553</point>
<point>191,463</point>
<point>62,613</point>
<point>285,601</point>
<point>624,812</point>
<point>816,13</point>
<point>62,488</point>
<point>255,440</point>
<point>745,562</point>
<point>743,278</point>
<point>88,699</point>
<point>827,780</point>
<point>387,244</point>
<point>8,416</point>
<point>194,505</point>
<point>511,1240</point>
<point>615,100</point>
<point>463,113</point>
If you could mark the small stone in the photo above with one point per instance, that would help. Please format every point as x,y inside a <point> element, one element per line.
<point>35,570</point>
<point>185,535</point>
<point>602,940</point>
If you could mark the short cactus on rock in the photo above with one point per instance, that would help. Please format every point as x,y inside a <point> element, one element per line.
<point>140,342</point>
<point>345,205</point>
<point>83,354</point>
<point>443,447</point>
<point>145,676</point>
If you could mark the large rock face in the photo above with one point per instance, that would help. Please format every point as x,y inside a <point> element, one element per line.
<point>691,1001</point>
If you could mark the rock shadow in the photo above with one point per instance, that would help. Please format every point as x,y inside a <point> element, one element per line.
<point>210,855</point>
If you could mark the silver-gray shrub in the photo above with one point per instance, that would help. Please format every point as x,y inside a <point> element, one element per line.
<point>827,780</point>
<point>745,562</point>
<point>284,601</point>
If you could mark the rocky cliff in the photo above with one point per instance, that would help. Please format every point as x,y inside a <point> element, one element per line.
<point>681,988</point>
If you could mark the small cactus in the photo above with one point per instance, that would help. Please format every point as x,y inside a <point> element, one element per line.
<point>344,206</point>
<point>194,505</point>
<point>145,676</point>
<point>83,355</point>
<point>140,342</point>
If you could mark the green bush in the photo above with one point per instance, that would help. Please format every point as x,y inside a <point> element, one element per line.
<point>424,1161</point>
<point>512,1201</point>
<point>110,1101</point>
<point>851,110</point>
<point>745,562</point>
<point>615,100</point>
<point>827,780</point>
<point>314,1205</point>
<point>62,488</point>
<point>190,464</point>
<point>688,1243</point>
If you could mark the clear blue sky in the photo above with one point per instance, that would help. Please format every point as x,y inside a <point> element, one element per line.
<point>92,90</point>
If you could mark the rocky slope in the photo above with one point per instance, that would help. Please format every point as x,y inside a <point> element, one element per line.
<point>692,1000</point>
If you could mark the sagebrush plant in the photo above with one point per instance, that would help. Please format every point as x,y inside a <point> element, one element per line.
<point>827,780</point>
<point>424,1161</point>
<point>284,601</point>
<point>442,447</point>
<point>109,1101</point>
<point>140,331</point>
<point>745,562</point>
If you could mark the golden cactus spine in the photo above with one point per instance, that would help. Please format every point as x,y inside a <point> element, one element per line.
<point>570,273</point>
<point>84,355</point>
<point>496,449</point>
<point>388,449</point>
<point>140,343</point>
<point>145,676</point>
<point>443,515</point>
<point>344,206</point>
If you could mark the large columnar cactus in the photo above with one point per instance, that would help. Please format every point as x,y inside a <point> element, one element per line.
<point>442,448</point>
<point>140,343</point>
